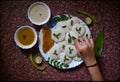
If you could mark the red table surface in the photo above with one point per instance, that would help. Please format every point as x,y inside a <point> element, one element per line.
<point>14,62</point>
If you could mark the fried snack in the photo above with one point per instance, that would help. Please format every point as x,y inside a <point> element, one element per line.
<point>47,40</point>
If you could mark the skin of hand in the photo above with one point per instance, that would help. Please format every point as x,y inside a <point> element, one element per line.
<point>86,47</point>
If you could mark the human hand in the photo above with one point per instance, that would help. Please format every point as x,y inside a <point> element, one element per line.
<point>86,47</point>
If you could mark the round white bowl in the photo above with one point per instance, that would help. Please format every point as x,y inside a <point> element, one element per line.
<point>25,46</point>
<point>39,3</point>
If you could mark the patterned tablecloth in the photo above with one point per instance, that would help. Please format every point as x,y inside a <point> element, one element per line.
<point>14,62</point>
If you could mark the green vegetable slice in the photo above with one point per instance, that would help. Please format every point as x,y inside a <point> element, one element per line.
<point>87,14</point>
<point>38,59</point>
<point>99,43</point>
<point>88,20</point>
<point>35,65</point>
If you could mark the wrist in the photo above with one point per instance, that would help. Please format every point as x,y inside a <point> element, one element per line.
<point>90,61</point>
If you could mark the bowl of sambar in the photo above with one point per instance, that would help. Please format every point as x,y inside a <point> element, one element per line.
<point>25,37</point>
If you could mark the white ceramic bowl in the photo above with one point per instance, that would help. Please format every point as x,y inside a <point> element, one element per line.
<point>20,44</point>
<point>47,9</point>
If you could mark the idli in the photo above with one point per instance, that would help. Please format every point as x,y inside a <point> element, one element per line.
<point>70,51</point>
<point>64,58</point>
<point>58,35</point>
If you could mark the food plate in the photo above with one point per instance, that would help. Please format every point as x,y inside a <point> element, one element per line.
<point>52,24</point>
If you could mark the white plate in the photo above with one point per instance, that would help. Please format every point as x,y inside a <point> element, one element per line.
<point>57,63</point>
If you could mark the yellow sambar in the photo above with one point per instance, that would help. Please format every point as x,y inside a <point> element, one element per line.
<point>26,36</point>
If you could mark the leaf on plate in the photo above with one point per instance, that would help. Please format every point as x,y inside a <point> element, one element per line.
<point>99,42</point>
<point>57,64</point>
<point>57,19</point>
<point>62,17</point>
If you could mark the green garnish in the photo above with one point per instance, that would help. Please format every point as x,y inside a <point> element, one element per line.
<point>52,61</point>
<point>35,65</point>
<point>78,30</point>
<point>87,14</point>
<point>70,50</point>
<point>63,46</point>
<point>99,43</point>
<point>57,19</point>
<point>62,18</point>
<point>71,22</point>
<point>71,38</point>
<point>55,63</point>
<point>64,26</point>
<point>57,35</point>
<point>65,58</point>
<point>55,52</point>
<point>23,36</point>
<point>78,55</point>
<point>66,65</point>
<point>69,17</point>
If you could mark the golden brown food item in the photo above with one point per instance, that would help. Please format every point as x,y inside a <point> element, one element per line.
<point>26,36</point>
<point>47,40</point>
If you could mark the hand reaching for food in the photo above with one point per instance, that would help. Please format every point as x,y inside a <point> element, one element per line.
<point>86,47</point>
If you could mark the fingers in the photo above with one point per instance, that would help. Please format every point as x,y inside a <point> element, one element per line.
<point>87,41</point>
<point>81,40</point>
<point>78,45</point>
<point>92,42</point>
